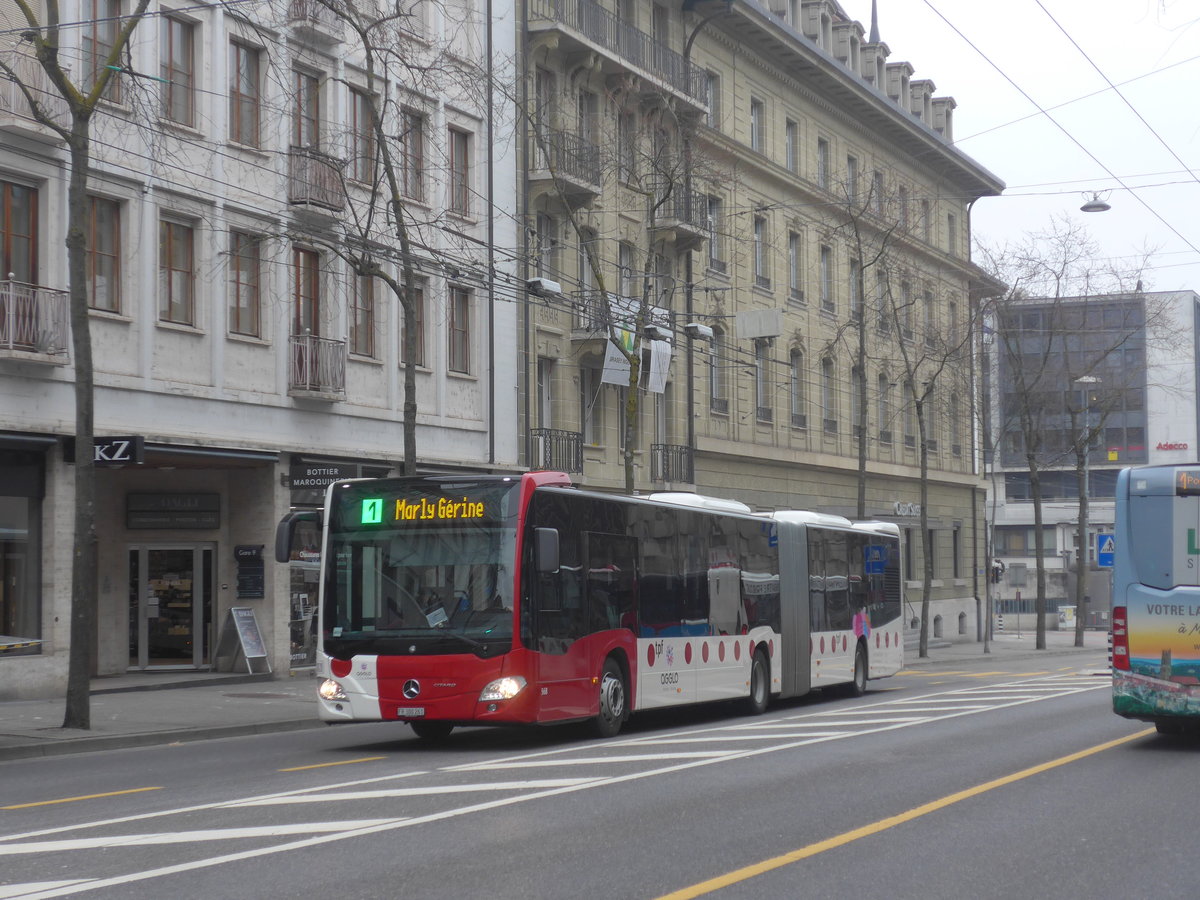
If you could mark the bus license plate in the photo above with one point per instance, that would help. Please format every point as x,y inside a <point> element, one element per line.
<point>410,711</point>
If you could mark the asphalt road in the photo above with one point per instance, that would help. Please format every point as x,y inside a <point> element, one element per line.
<point>1009,783</point>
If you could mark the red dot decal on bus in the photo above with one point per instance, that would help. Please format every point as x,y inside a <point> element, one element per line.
<point>877,640</point>
<point>704,651</point>
<point>737,650</point>
<point>721,651</point>
<point>822,644</point>
<point>887,639</point>
<point>340,668</point>
<point>771,648</point>
<point>687,653</point>
<point>650,655</point>
<point>843,643</point>
<point>750,650</point>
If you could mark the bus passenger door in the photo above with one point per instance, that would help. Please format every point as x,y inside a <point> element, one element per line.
<point>610,589</point>
<point>563,668</point>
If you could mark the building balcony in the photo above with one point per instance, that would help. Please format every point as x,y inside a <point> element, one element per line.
<point>315,21</point>
<point>596,311</point>
<point>585,27</point>
<point>565,163</point>
<point>315,182</point>
<point>34,323</point>
<point>672,462</point>
<point>683,218</point>
<point>318,368</point>
<point>556,450</point>
<point>16,117</point>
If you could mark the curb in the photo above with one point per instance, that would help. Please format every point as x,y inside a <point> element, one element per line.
<point>152,738</point>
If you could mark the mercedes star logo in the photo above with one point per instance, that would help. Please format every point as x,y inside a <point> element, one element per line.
<point>412,688</point>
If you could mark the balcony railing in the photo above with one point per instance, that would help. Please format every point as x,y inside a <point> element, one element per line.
<point>594,314</point>
<point>34,320</point>
<point>570,158</point>
<point>315,179</point>
<point>318,365</point>
<point>604,29</point>
<point>671,462</point>
<point>15,114</point>
<point>557,450</point>
<point>316,19</point>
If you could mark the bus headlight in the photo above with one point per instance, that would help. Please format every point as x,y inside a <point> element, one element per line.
<point>503,688</point>
<point>329,689</point>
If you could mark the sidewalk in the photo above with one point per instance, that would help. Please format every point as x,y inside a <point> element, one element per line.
<point>160,708</point>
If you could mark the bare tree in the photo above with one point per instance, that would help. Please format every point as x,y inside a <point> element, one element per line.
<point>81,95</point>
<point>654,162</point>
<point>1059,288</point>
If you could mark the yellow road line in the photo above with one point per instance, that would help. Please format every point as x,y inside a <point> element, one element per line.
<point>85,797</point>
<point>767,865</point>
<point>344,762</point>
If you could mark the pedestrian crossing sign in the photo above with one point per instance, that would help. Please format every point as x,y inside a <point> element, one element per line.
<point>1105,549</point>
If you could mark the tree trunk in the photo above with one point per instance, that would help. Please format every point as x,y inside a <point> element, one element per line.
<point>83,563</point>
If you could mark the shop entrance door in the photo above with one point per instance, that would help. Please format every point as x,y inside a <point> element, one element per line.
<point>170,606</point>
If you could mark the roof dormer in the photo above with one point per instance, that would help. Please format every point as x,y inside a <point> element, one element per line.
<point>943,116</point>
<point>898,76</point>
<point>921,99</point>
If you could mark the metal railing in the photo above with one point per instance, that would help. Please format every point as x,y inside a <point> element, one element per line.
<point>603,28</point>
<point>597,310</point>
<point>557,450</point>
<point>671,462</point>
<point>315,16</point>
<point>315,178</point>
<point>34,319</point>
<point>317,364</point>
<point>568,156</point>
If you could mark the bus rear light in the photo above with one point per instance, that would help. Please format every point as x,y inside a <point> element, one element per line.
<point>502,688</point>
<point>329,689</point>
<point>1120,639</point>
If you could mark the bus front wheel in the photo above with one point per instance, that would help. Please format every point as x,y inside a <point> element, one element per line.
<point>612,700</point>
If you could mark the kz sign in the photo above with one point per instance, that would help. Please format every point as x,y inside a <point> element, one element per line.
<point>129,450</point>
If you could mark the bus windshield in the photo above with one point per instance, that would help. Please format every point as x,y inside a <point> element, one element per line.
<point>420,567</point>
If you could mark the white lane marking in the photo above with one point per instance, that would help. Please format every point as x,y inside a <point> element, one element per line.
<point>8,891</point>
<point>824,723</point>
<point>720,738</point>
<point>184,837</point>
<point>594,760</point>
<point>220,804</point>
<point>433,790</point>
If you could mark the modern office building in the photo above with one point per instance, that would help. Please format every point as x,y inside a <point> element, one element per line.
<point>1120,369</point>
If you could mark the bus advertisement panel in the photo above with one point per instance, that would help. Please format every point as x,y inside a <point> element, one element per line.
<point>453,600</point>
<point>1156,596</point>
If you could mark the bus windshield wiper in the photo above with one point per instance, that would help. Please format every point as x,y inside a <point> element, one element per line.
<point>477,647</point>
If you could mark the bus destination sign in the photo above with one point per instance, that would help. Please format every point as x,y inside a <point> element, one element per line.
<point>1187,483</point>
<point>424,509</point>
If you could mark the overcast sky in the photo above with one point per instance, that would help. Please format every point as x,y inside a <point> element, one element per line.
<point>1002,61</point>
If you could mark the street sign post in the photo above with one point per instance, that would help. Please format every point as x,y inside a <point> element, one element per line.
<point>1105,548</point>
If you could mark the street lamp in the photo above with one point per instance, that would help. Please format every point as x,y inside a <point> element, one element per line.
<point>1086,383</point>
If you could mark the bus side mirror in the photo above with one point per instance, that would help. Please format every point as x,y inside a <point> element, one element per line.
<point>545,550</point>
<point>285,531</point>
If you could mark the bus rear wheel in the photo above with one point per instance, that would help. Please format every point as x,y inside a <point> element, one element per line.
<point>432,731</point>
<point>613,700</point>
<point>858,686</point>
<point>760,688</point>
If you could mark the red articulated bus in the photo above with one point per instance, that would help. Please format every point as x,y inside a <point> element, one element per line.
<point>473,600</point>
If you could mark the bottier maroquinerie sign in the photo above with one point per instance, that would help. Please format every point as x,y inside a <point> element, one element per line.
<point>320,475</point>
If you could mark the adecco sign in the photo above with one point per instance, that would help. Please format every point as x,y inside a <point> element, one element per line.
<point>1171,445</point>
